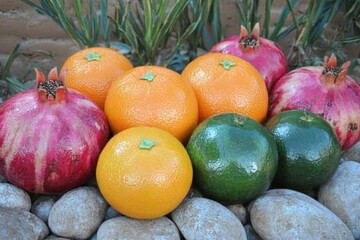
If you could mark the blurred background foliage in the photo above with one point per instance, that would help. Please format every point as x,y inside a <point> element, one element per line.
<point>172,33</point>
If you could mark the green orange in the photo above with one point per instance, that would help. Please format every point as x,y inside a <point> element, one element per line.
<point>309,151</point>
<point>234,158</point>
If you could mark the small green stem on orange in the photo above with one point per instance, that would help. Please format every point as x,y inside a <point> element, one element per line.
<point>91,56</point>
<point>147,144</point>
<point>240,120</point>
<point>149,76</point>
<point>226,64</point>
<point>306,117</point>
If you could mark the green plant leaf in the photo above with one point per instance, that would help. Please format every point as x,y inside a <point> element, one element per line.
<point>6,69</point>
<point>15,85</point>
<point>280,23</point>
<point>266,25</point>
<point>84,27</point>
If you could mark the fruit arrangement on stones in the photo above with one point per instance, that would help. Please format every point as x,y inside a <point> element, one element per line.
<point>234,147</point>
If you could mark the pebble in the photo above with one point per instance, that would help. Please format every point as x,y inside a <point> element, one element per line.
<point>201,218</point>
<point>240,212</point>
<point>353,153</point>
<point>42,206</point>
<point>250,233</point>
<point>21,224</point>
<point>92,182</point>
<point>128,228</point>
<point>78,213</point>
<point>341,194</point>
<point>94,236</point>
<point>111,213</point>
<point>287,214</point>
<point>54,237</point>
<point>14,197</point>
<point>2,179</point>
<point>193,192</point>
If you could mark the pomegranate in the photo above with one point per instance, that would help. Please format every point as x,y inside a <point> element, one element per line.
<point>326,91</point>
<point>50,137</point>
<point>264,54</point>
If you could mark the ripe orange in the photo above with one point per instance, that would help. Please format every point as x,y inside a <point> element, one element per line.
<point>144,172</point>
<point>226,83</point>
<point>152,96</point>
<point>92,70</point>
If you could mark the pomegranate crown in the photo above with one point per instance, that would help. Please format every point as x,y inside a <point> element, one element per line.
<point>250,42</point>
<point>51,89</point>
<point>331,73</point>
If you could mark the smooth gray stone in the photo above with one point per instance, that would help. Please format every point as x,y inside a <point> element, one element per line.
<point>341,194</point>
<point>353,153</point>
<point>78,213</point>
<point>287,214</point>
<point>54,237</point>
<point>42,206</point>
<point>2,179</point>
<point>129,228</point>
<point>111,213</point>
<point>240,212</point>
<point>14,197</point>
<point>201,218</point>
<point>17,224</point>
<point>250,233</point>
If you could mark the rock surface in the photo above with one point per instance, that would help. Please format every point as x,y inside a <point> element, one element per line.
<point>201,218</point>
<point>341,194</point>
<point>129,228</point>
<point>353,153</point>
<point>54,237</point>
<point>42,206</point>
<point>250,233</point>
<point>20,224</point>
<point>2,179</point>
<point>78,213</point>
<point>194,192</point>
<point>287,214</point>
<point>240,212</point>
<point>111,213</point>
<point>14,197</point>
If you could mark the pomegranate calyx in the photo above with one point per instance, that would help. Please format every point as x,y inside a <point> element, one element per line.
<point>51,89</point>
<point>331,73</point>
<point>252,42</point>
<point>40,77</point>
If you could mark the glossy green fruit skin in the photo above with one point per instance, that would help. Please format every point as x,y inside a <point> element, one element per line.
<point>309,151</point>
<point>234,158</point>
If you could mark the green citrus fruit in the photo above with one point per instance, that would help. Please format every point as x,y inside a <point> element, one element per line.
<point>234,158</point>
<point>309,151</point>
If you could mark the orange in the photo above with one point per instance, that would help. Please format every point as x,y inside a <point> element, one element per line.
<point>92,70</point>
<point>144,172</point>
<point>226,83</point>
<point>234,158</point>
<point>153,96</point>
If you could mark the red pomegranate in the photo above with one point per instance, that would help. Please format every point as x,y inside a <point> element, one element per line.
<point>265,55</point>
<point>50,137</point>
<point>324,90</point>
